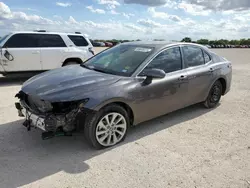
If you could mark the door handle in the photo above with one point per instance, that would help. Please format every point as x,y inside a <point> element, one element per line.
<point>35,52</point>
<point>182,77</point>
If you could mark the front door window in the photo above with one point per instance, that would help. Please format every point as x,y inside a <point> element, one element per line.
<point>169,60</point>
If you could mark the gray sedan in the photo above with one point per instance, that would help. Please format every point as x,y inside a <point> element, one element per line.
<point>123,86</point>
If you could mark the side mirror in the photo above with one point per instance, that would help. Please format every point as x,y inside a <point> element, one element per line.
<point>153,73</point>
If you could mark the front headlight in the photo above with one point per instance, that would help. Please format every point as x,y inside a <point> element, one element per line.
<point>40,105</point>
<point>64,107</point>
<point>45,106</point>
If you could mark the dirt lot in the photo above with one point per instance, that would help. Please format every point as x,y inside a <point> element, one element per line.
<point>99,49</point>
<point>193,147</point>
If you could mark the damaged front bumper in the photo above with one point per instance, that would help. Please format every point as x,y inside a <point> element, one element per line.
<point>53,123</point>
<point>32,120</point>
<point>51,118</point>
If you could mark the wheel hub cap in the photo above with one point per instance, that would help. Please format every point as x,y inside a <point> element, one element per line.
<point>215,94</point>
<point>111,129</point>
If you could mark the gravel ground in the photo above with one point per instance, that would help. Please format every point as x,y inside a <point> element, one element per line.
<point>193,147</point>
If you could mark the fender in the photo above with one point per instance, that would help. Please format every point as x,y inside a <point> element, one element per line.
<point>113,100</point>
<point>122,102</point>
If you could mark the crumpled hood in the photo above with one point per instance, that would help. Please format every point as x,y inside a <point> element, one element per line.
<point>67,83</point>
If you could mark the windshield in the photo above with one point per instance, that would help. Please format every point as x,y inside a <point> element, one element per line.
<point>3,38</point>
<point>120,60</point>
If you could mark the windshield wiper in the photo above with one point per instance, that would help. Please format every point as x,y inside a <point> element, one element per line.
<point>95,69</point>
<point>99,70</point>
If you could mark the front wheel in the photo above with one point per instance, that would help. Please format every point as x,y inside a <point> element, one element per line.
<point>107,127</point>
<point>214,95</point>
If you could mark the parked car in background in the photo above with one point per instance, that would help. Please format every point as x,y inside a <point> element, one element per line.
<point>115,43</point>
<point>229,46</point>
<point>123,86</point>
<point>102,44</point>
<point>96,44</point>
<point>108,44</point>
<point>41,50</point>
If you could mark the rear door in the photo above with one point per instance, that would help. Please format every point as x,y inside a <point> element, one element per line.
<point>53,49</point>
<point>199,72</point>
<point>22,53</point>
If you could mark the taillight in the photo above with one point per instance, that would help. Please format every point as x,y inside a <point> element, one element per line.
<point>91,51</point>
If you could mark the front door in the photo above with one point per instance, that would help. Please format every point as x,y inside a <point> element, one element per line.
<point>21,53</point>
<point>200,73</point>
<point>163,95</point>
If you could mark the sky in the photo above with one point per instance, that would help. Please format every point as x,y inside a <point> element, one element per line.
<point>130,19</point>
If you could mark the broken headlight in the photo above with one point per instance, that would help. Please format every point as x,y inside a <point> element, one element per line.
<point>45,106</point>
<point>65,107</point>
<point>39,105</point>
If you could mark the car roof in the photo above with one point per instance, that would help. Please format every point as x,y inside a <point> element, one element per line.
<point>46,32</point>
<point>161,44</point>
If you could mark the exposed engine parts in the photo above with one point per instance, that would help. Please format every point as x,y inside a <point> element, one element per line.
<point>53,118</point>
<point>66,121</point>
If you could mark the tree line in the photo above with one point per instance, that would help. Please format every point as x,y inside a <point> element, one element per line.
<point>188,39</point>
<point>218,42</point>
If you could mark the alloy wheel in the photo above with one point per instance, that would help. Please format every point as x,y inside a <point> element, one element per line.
<point>216,93</point>
<point>111,129</point>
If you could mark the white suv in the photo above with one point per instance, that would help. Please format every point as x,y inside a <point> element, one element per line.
<point>41,50</point>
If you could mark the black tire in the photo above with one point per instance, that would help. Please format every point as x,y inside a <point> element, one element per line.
<point>70,63</point>
<point>214,95</point>
<point>92,121</point>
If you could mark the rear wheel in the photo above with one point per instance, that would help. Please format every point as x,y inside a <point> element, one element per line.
<point>107,127</point>
<point>214,95</point>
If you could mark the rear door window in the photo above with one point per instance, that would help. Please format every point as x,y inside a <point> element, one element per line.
<point>193,56</point>
<point>48,41</point>
<point>23,41</point>
<point>206,57</point>
<point>78,40</point>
